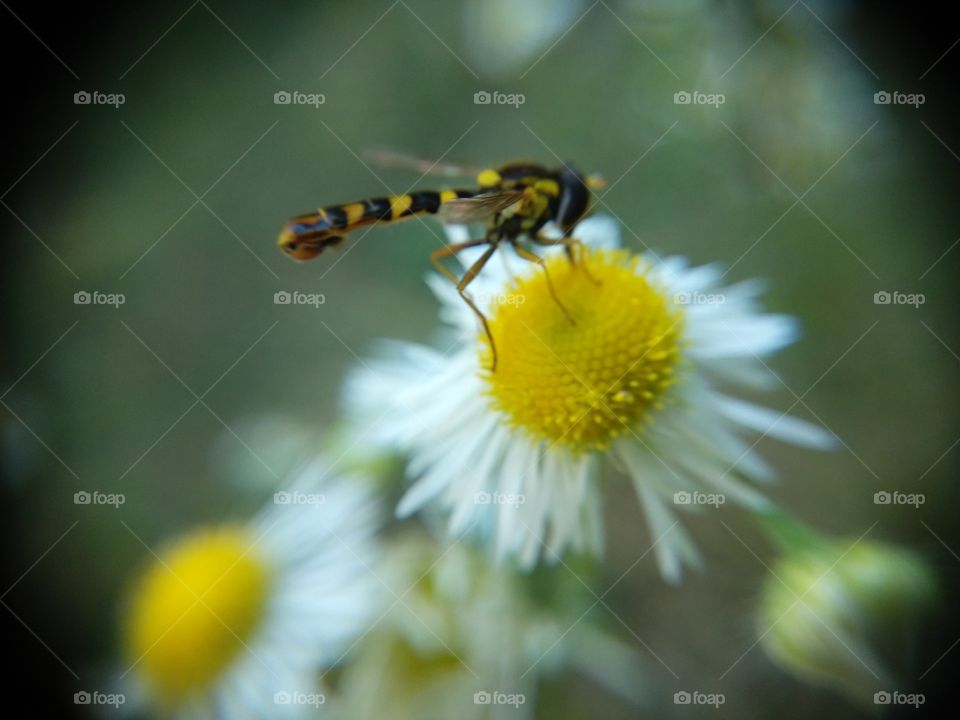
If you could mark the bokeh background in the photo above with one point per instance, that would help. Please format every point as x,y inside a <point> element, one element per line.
<point>196,393</point>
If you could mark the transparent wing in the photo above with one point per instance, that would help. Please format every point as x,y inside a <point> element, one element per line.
<point>480,207</point>
<point>394,159</point>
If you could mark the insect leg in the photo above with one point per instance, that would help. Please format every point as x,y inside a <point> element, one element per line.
<point>437,255</point>
<point>575,250</point>
<point>531,257</point>
<point>449,251</point>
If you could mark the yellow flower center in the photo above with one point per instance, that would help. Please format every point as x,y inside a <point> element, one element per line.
<point>585,383</point>
<point>193,611</point>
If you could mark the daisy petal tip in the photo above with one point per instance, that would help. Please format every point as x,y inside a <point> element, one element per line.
<point>406,507</point>
<point>600,231</point>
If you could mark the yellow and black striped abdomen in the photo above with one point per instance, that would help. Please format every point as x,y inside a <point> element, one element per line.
<point>306,236</point>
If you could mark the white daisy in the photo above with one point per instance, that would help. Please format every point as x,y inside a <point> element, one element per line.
<point>468,640</point>
<point>515,453</point>
<point>233,621</point>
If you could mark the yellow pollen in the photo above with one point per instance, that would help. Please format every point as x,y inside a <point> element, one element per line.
<point>582,385</point>
<point>181,643</point>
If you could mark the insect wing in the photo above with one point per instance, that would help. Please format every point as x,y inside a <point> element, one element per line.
<point>393,159</point>
<point>480,207</point>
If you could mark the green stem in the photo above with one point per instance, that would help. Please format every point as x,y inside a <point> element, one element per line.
<point>788,533</point>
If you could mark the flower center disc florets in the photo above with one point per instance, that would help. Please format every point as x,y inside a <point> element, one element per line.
<point>193,612</point>
<point>583,384</point>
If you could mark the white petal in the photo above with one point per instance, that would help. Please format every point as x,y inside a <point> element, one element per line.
<point>778,425</point>
<point>755,335</point>
<point>599,231</point>
<point>672,546</point>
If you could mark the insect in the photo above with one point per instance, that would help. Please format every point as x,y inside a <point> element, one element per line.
<point>515,201</point>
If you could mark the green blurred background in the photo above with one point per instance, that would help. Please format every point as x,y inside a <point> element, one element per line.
<point>103,398</point>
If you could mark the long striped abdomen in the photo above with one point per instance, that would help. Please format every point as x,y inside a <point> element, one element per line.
<point>306,236</point>
<point>391,209</point>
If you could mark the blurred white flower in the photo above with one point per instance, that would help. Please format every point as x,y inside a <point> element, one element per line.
<point>514,454</point>
<point>233,621</point>
<point>465,639</point>
<point>281,441</point>
<point>502,35</point>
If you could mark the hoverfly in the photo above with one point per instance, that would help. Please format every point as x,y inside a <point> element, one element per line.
<point>515,201</point>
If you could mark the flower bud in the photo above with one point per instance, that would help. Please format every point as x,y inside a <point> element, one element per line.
<point>844,613</point>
